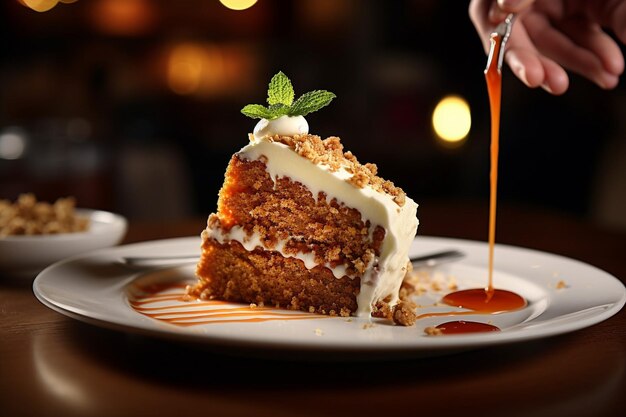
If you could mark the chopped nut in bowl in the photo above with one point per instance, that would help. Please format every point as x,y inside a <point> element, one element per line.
<point>35,234</point>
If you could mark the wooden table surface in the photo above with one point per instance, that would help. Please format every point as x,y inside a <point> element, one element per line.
<point>51,365</point>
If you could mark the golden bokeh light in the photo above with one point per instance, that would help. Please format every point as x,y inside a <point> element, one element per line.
<point>207,69</point>
<point>238,4</point>
<point>452,119</point>
<point>192,68</point>
<point>43,5</point>
<point>39,5</point>
<point>123,17</point>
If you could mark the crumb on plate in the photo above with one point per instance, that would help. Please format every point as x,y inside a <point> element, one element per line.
<point>433,331</point>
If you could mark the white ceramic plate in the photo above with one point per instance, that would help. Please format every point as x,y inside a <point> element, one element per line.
<point>25,256</point>
<point>563,295</point>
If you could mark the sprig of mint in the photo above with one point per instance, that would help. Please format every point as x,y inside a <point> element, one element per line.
<point>280,100</point>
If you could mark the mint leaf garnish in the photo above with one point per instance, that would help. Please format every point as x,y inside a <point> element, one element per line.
<point>310,102</point>
<point>280,97</point>
<point>257,111</point>
<point>280,90</point>
<point>279,109</point>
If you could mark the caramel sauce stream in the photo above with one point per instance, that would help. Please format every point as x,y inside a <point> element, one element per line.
<point>493,76</point>
<point>487,300</point>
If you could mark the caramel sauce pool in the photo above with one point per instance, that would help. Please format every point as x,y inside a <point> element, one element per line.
<point>481,301</point>
<point>461,327</point>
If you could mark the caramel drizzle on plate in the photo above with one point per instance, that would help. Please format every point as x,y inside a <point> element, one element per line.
<point>168,303</point>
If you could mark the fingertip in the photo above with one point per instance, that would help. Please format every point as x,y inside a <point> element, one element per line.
<point>609,82</point>
<point>525,68</point>
<point>608,52</point>
<point>556,80</point>
<point>520,73</point>
<point>615,64</point>
<point>556,87</point>
<point>534,76</point>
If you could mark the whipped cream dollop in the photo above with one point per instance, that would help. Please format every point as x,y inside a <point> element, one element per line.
<point>282,126</point>
<point>385,273</point>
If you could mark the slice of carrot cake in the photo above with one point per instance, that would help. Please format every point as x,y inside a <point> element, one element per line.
<point>300,223</point>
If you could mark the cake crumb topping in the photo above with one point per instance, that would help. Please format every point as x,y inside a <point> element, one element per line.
<point>404,314</point>
<point>329,152</point>
<point>433,331</point>
<point>423,280</point>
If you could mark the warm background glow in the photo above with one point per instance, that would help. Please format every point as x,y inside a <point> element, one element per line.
<point>452,119</point>
<point>159,84</point>
<point>123,17</point>
<point>238,4</point>
<point>204,69</point>
<point>190,65</point>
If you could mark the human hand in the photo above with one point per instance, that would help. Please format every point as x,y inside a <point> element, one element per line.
<point>550,36</point>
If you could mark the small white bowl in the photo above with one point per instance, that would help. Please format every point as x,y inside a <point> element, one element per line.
<point>24,256</point>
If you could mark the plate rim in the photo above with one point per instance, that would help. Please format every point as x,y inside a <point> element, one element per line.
<point>447,343</point>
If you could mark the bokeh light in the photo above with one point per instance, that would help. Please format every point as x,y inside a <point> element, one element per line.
<point>238,4</point>
<point>40,5</point>
<point>43,5</point>
<point>452,119</point>
<point>12,143</point>
<point>194,68</point>
<point>123,17</point>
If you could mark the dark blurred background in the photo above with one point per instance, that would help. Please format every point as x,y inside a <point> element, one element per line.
<point>133,105</point>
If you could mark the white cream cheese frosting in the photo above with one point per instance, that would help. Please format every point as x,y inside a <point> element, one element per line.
<point>283,126</point>
<point>384,274</point>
